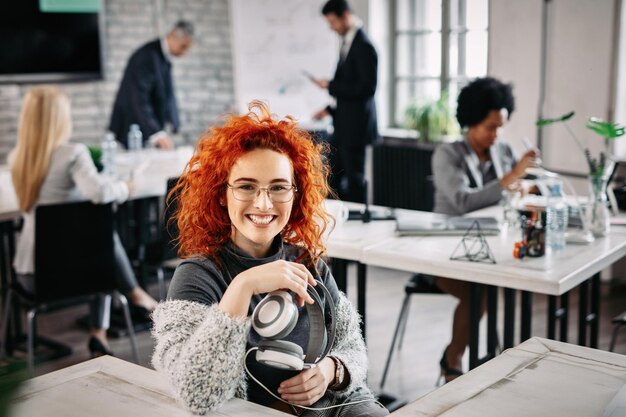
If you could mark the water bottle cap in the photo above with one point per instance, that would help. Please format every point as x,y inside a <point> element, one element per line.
<point>134,126</point>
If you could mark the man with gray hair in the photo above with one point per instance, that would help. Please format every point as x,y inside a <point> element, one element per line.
<point>146,94</point>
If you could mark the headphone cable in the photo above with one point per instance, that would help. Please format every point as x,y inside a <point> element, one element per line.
<point>296,405</point>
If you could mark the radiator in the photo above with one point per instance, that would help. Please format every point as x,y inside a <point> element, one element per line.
<point>402,175</point>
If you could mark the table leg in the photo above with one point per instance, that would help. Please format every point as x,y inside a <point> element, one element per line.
<point>339,268</point>
<point>492,321</point>
<point>527,315</point>
<point>474,315</point>
<point>589,311</point>
<point>361,289</point>
<point>509,318</point>
<point>552,317</point>
<point>563,315</point>
<point>583,293</point>
<point>595,311</point>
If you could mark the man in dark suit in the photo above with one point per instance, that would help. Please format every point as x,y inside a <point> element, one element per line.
<point>146,94</point>
<point>354,115</point>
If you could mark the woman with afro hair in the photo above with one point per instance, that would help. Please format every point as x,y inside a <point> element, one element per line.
<point>470,174</point>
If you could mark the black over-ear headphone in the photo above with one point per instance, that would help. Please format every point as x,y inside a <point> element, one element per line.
<point>276,316</point>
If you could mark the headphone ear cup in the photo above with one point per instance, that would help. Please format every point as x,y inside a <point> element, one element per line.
<point>275,316</point>
<point>280,354</point>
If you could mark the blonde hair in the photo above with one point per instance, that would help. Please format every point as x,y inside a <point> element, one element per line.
<point>45,123</point>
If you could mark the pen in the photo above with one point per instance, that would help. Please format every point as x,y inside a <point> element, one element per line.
<point>527,143</point>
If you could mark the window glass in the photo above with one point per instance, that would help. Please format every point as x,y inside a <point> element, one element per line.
<point>476,55</point>
<point>418,55</point>
<point>418,15</point>
<point>419,36</point>
<point>477,17</point>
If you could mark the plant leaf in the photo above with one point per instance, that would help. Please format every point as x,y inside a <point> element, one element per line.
<point>605,129</point>
<point>548,121</point>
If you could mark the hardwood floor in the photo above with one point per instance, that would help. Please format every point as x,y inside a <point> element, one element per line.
<point>414,369</point>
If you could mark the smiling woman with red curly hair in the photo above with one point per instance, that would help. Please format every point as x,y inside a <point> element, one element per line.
<point>251,219</point>
<point>203,218</point>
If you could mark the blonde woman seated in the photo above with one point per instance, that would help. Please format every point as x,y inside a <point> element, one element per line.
<point>47,169</point>
<point>249,216</point>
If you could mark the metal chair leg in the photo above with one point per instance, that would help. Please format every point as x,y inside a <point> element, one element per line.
<point>131,328</point>
<point>405,318</point>
<point>403,310</point>
<point>614,337</point>
<point>30,318</point>
<point>5,324</point>
<point>161,281</point>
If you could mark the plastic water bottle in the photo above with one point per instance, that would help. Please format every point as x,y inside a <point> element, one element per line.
<point>556,212</point>
<point>109,148</point>
<point>135,138</point>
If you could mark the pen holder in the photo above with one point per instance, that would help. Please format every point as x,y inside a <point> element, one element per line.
<point>534,231</point>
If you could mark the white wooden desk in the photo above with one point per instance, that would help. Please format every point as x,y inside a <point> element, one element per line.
<point>554,274</point>
<point>108,386</point>
<point>539,377</point>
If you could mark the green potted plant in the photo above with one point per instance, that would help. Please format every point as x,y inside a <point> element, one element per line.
<point>600,168</point>
<point>433,119</point>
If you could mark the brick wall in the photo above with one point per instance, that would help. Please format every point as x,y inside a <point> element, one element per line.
<point>203,77</point>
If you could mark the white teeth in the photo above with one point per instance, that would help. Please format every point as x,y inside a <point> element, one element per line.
<point>261,219</point>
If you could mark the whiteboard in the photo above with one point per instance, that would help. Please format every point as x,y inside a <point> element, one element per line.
<point>274,41</point>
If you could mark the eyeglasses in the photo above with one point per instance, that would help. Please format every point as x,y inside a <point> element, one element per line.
<point>249,192</point>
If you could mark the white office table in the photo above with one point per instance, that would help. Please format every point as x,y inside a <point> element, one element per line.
<point>108,386</point>
<point>539,377</point>
<point>553,274</point>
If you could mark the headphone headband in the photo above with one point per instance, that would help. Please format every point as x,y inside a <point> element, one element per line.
<point>320,342</point>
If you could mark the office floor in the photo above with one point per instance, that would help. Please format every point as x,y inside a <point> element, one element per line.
<point>415,368</point>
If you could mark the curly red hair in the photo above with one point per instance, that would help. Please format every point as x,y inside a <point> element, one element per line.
<point>204,224</point>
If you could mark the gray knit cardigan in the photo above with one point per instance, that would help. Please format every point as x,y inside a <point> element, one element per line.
<point>201,351</point>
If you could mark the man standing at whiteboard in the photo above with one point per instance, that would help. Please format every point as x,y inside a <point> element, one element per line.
<point>354,115</point>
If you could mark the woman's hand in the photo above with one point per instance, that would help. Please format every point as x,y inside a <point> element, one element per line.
<point>309,385</point>
<point>519,170</point>
<point>279,275</point>
<point>266,278</point>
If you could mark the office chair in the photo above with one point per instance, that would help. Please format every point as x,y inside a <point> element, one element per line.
<point>74,262</point>
<point>161,254</point>
<point>618,321</point>
<point>417,284</point>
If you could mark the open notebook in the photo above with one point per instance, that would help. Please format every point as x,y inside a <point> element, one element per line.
<point>423,223</point>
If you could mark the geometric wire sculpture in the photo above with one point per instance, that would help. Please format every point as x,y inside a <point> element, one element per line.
<point>473,247</point>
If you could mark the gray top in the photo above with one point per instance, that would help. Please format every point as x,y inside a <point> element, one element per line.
<point>200,349</point>
<point>462,182</point>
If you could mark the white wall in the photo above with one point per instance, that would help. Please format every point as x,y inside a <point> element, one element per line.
<point>514,43</point>
<point>578,70</point>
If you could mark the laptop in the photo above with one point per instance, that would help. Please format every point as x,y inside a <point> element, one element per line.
<point>424,224</point>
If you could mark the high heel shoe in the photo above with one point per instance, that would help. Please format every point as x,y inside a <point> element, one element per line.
<point>97,348</point>
<point>447,373</point>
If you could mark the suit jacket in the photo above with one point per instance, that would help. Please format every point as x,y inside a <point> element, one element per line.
<point>146,94</point>
<point>459,183</point>
<point>72,176</point>
<point>353,86</point>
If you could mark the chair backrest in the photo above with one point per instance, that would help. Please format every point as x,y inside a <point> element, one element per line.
<point>170,226</point>
<point>74,253</point>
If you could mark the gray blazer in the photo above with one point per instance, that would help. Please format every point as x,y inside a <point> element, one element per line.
<point>459,183</point>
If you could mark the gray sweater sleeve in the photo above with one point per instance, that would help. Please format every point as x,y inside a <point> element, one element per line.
<point>453,185</point>
<point>200,350</point>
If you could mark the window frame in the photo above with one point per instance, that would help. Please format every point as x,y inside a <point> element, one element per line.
<point>446,32</point>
